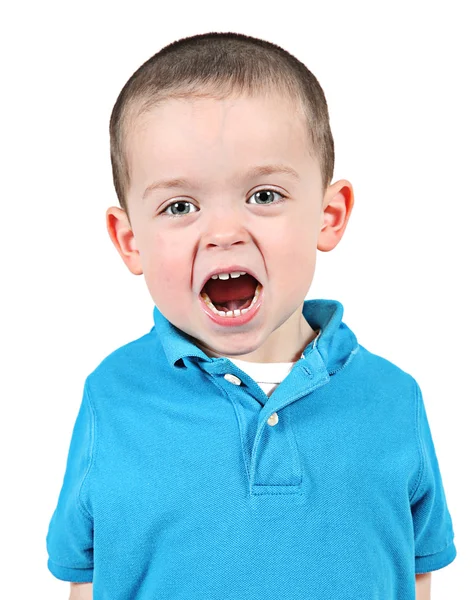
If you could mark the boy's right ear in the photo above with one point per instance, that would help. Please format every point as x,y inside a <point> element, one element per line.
<point>122,236</point>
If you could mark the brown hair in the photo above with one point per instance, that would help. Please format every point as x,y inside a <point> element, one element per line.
<point>218,65</point>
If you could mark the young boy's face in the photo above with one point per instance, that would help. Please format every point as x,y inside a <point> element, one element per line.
<point>218,155</point>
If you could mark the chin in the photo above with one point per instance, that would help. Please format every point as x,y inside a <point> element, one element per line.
<point>228,349</point>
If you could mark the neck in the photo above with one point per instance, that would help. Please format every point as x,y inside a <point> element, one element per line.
<point>277,350</point>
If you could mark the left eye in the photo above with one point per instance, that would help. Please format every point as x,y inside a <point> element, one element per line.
<point>267,196</point>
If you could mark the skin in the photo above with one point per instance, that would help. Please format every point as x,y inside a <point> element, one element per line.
<point>213,144</point>
<point>423,586</point>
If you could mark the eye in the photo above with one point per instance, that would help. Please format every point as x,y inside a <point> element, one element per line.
<point>267,196</point>
<point>181,207</point>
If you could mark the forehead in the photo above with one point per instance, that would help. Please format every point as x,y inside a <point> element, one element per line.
<point>203,136</point>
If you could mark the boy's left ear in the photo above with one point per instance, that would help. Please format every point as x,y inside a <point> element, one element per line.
<point>338,202</point>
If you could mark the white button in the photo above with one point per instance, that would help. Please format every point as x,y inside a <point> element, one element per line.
<point>232,379</point>
<point>273,419</point>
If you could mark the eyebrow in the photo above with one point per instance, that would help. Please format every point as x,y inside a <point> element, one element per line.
<point>251,174</point>
<point>165,185</point>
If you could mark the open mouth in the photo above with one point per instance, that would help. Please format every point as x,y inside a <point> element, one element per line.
<point>231,297</point>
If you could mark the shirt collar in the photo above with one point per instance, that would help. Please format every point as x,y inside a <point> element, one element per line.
<point>333,346</point>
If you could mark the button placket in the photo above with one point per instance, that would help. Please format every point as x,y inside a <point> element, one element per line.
<point>277,458</point>
<point>269,443</point>
<point>275,461</point>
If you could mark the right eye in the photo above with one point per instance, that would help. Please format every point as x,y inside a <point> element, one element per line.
<point>181,204</point>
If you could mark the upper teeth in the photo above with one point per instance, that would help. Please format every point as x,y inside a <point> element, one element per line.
<point>227,275</point>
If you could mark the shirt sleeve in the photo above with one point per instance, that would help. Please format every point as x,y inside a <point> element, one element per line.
<point>434,546</point>
<point>70,536</point>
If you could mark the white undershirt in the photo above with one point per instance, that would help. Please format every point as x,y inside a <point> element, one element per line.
<point>266,375</point>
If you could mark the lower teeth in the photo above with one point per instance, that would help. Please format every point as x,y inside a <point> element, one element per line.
<point>231,313</point>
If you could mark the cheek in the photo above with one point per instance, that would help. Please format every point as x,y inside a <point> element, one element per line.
<point>295,243</point>
<point>165,265</point>
<point>291,258</point>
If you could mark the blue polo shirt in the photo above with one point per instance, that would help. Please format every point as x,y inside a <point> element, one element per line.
<point>184,480</point>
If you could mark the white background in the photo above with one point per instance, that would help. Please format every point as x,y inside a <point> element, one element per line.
<point>397,80</point>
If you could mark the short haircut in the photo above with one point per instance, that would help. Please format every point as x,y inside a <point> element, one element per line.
<point>218,65</point>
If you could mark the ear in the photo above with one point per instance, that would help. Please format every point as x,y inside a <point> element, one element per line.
<point>337,206</point>
<point>122,236</point>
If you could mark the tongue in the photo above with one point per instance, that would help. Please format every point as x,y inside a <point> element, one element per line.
<point>231,294</point>
<point>233,305</point>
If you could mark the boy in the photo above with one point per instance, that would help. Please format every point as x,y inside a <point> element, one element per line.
<point>247,446</point>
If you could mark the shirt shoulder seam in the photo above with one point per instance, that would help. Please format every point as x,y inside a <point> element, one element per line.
<point>419,444</point>
<point>91,451</point>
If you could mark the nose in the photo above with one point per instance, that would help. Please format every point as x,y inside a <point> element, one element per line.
<point>225,230</point>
